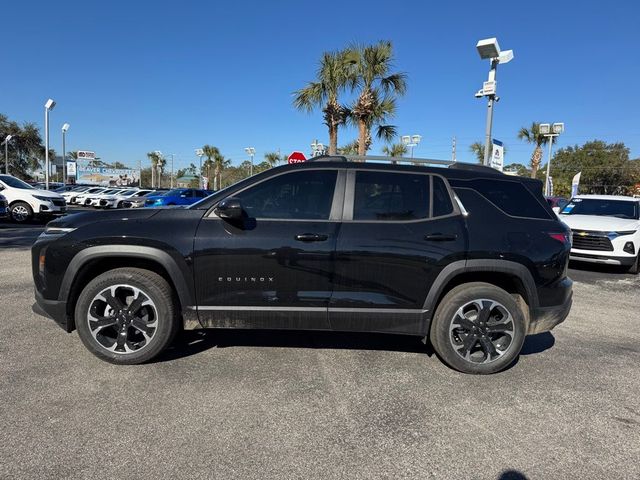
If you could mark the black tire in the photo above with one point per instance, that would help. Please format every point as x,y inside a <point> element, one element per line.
<point>158,318</point>
<point>635,268</point>
<point>21,212</point>
<point>504,327</point>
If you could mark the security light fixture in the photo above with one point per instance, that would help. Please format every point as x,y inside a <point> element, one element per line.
<point>50,104</point>
<point>6,139</point>
<point>488,48</point>
<point>544,128</point>
<point>199,152</point>
<point>505,56</point>
<point>65,127</point>
<point>416,139</point>
<point>558,128</point>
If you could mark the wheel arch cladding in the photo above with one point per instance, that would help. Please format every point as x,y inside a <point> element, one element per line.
<point>94,261</point>
<point>512,277</point>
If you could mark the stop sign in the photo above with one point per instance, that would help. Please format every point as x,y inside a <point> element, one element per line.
<point>296,157</point>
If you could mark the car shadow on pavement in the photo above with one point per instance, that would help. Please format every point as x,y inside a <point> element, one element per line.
<point>598,267</point>
<point>193,342</point>
<point>512,475</point>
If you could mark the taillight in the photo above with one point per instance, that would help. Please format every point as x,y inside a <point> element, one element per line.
<point>561,237</point>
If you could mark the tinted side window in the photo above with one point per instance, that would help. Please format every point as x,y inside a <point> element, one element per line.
<point>510,197</point>
<point>441,199</point>
<point>305,195</point>
<point>390,196</point>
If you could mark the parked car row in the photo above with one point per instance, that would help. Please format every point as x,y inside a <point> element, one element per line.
<point>109,197</point>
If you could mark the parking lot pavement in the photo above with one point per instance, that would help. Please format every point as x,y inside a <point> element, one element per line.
<point>236,404</point>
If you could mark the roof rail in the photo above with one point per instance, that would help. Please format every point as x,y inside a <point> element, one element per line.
<point>475,168</point>
<point>379,158</point>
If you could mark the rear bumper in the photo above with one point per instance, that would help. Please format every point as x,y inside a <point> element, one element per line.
<point>544,319</point>
<point>54,309</point>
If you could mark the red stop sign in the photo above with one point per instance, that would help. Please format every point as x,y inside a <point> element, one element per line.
<point>296,157</point>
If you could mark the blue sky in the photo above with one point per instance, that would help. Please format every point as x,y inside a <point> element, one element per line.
<point>136,76</point>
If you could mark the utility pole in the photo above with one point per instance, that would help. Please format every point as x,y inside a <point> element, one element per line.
<point>453,149</point>
<point>172,170</point>
<point>550,131</point>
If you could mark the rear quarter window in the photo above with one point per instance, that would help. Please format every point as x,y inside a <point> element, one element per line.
<point>513,198</point>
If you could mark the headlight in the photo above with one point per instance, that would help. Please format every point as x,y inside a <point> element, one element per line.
<point>58,230</point>
<point>43,199</point>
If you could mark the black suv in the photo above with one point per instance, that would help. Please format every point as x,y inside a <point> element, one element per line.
<point>471,258</point>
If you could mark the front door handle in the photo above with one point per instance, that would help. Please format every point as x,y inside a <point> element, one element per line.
<point>311,237</point>
<point>441,237</point>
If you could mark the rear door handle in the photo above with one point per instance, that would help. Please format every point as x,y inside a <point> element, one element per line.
<point>440,237</point>
<point>311,237</point>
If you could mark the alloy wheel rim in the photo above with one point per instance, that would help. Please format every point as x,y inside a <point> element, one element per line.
<point>20,213</point>
<point>122,319</point>
<point>482,331</point>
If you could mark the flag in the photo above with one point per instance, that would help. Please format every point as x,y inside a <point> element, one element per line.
<point>575,183</point>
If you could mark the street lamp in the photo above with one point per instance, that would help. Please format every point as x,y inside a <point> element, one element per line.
<point>200,153</point>
<point>489,49</point>
<point>550,131</point>
<point>47,108</point>
<point>6,153</point>
<point>411,141</point>
<point>172,154</point>
<point>65,127</point>
<point>317,148</point>
<point>251,152</point>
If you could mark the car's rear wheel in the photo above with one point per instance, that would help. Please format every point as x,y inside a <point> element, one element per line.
<point>21,212</point>
<point>478,328</point>
<point>126,316</point>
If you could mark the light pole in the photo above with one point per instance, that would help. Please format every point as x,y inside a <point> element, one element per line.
<point>6,153</point>
<point>172,169</point>
<point>411,141</point>
<point>550,131</point>
<point>489,49</point>
<point>317,148</point>
<point>47,108</point>
<point>251,152</point>
<point>65,127</point>
<point>200,153</point>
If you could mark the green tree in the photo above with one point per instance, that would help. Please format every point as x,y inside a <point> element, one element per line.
<point>477,149</point>
<point>73,155</point>
<point>272,158</point>
<point>395,150</point>
<point>606,169</point>
<point>533,136</point>
<point>377,90</point>
<point>26,149</point>
<point>349,149</point>
<point>155,158</point>
<point>331,79</point>
<point>517,168</point>
<point>219,164</point>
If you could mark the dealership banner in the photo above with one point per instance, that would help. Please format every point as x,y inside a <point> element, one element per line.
<point>106,177</point>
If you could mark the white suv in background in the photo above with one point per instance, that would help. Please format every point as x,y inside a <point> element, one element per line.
<point>26,202</point>
<point>606,229</point>
<point>115,201</point>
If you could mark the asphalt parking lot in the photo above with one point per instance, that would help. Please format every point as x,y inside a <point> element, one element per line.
<point>237,404</point>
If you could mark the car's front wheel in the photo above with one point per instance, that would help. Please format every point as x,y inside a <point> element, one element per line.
<point>126,315</point>
<point>478,328</point>
<point>21,212</point>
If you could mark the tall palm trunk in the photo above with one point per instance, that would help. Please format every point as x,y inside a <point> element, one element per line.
<point>536,158</point>
<point>216,178</point>
<point>363,135</point>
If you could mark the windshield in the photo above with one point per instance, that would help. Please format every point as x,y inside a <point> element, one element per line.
<point>15,182</point>
<point>604,208</point>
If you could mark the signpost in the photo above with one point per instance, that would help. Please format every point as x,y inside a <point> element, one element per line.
<point>71,169</point>
<point>296,157</point>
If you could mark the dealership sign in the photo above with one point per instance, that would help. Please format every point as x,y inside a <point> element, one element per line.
<point>71,169</point>
<point>86,155</point>
<point>108,177</point>
<point>497,157</point>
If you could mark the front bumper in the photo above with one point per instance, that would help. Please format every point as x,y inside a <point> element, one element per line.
<point>55,309</point>
<point>626,261</point>
<point>48,208</point>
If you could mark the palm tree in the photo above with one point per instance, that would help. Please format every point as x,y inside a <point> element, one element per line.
<point>350,148</point>
<point>155,161</point>
<point>332,77</point>
<point>395,150</point>
<point>477,149</point>
<point>378,89</point>
<point>532,135</point>
<point>73,154</point>
<point>272,158</point>
<point>207,165</point>
<point>219,163</point>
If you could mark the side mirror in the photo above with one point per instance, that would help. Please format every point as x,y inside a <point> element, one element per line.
<point>230,208</point>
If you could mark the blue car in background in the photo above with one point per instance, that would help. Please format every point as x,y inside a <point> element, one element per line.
<point>177,196</point>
